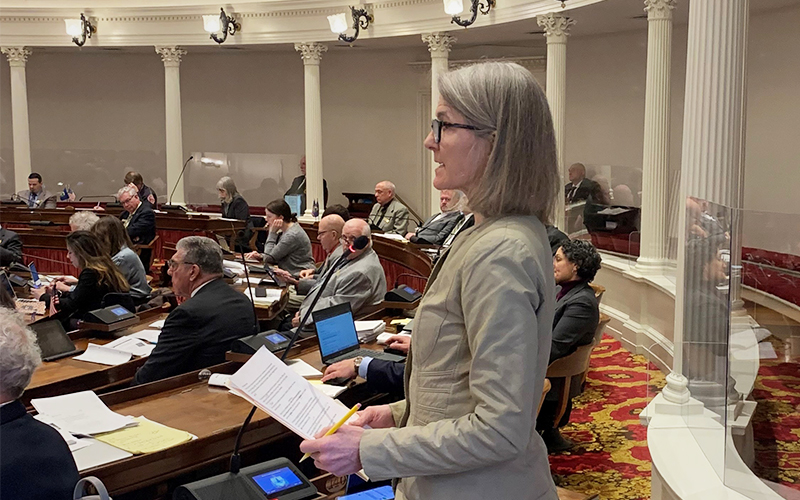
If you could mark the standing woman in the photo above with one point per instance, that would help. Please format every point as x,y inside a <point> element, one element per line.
<point>475,372</point>
<point>235,207</point>
<point>98,276</point>
<point>118,245</point>
<point>287,244</point>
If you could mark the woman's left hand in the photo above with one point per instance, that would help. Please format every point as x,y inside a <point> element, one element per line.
<point>38,292</point>
<point>62,287</point>
<point>337,454</point>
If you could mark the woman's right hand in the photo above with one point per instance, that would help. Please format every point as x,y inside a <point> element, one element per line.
<point>252,256</point>
<point>377,417</point>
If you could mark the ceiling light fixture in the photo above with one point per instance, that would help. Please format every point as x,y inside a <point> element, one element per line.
<point>223,23</point>
<point>456,7</point>
<point>361,20</point>
<point>80,29</point>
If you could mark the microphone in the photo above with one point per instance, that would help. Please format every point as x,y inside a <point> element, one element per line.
<point>169,205</point>
<point>360,243</point>
<point>247,284</point>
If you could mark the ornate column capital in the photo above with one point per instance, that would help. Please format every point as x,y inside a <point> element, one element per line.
<point>556,27</point>
<point>659,9</point>
<point>170,54</point>
<point>439,44</point>
<point>17,56</point>
<point>311,52</point>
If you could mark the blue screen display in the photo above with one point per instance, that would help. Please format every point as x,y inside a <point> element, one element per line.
<point>119,311</point>
<point>294,201</point>
<point>34,274</point>
<point>409,290</point>
<point>276,338</point>
<point>380,493</point>
<point>277,480</point>
<point>336,334</point>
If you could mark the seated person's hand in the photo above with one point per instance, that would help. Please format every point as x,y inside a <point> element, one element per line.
<point>409,235</point>
<point>38,292</point>
<point>276,225</point>
<point>252,256</point>
<point>296,320</point>
<point>346,369</point>
<point>61,286</point>
<point>69,280</point>
<point>399,342</point>
<point>307,273</point>
<point>286,275</point>
<point>98,208</point>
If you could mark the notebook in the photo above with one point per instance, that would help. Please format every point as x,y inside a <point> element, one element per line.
<point>338,338</point>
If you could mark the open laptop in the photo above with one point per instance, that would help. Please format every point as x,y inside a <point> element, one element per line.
<point>53,340</point>
<point>337,336</point>
<point>25,306</point>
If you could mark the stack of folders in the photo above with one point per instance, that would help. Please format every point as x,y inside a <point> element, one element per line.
<point>96,435</point>
<point>369,330</point>
<point>121,350</point>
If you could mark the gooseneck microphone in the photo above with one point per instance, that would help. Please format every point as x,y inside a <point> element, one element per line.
<point>360,243</point>
<point>169,204</point>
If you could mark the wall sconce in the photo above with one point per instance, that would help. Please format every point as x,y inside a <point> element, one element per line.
<point>361,20</point>
<point>80,29</point>
<point>456,7</point>
<point>224,23</point>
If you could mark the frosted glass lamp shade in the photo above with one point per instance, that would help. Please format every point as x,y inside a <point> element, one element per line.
<point>74,28</point>
<point>453,7</point>
<point>211,23</point>
<point>338,23</point>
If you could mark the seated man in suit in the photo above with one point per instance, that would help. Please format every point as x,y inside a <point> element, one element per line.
<point>139,220</point>
<point>579,188</point>
<point>387,213</point>
<point>35,461</point>
<point>382,376</point>
<point>576,317</point>
<point>36,196</point>
<point>146,194</point>
<point>197,333</point>
<point>10,247</point>
<point>437,228</point>
<point>299,187</point>
<point>359,280</point>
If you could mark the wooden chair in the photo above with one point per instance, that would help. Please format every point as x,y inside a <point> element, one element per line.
<point>547,386</point>
<point>149,250</point>
<point>599,290</point>
<point>573,365</point>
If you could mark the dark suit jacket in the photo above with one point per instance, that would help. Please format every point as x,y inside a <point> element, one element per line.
<point>142,227</point>
<point>435,232</point>
<point>87,296</point>
<point>145,192</point>
<point>299,187</point>
<point>575,321</point>
<point>10,247</point>
<point>240,210</point>
<point>386,376</point>
<point>556,238</point>
<point>199,332</point>
<point>586,189</point>
<point>35,462</point>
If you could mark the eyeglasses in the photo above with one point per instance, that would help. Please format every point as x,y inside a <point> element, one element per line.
<point>174,263</point>
<point>438,125</point>
<point>348,239</point>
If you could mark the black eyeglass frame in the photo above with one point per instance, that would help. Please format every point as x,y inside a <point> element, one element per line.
<point>437,126</point>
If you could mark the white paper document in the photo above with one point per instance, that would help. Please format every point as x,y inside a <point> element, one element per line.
<point>384,337</point>
<point>273,295</point>
<point>103,355</point>
<point>131,345</point>
<point>80,413</point>
<point>158,324</point>
<point>290,399</point>
<point>95,453</point>
<point>233,265</point>
<point>252,280</point>
<point>147,335</point>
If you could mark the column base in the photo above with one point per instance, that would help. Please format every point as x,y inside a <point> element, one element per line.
<point>651,266</point>
<point>307,218</point>
<point>677,389</point>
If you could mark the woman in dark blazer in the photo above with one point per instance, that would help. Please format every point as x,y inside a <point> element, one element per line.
<point>235,207</point>
<point>98,277</point>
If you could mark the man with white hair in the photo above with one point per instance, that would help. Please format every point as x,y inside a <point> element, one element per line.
<point>35,461</point>
<point>199,332</point>
<point>437,228</point>
<point>359,280</point>
<point>138,218</point>
<point>388,214</point>
<point>82,220</point>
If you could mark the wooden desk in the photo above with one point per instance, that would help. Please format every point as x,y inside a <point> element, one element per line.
<point>68,375</point>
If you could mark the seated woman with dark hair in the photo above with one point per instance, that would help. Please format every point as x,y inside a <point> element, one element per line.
<point>118,245</point>
<point>98,276</point>
<point>288,245</point>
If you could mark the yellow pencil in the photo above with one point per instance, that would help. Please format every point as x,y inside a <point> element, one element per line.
<point>337,425</point>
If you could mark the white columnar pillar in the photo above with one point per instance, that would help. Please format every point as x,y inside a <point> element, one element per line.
<point>439,45</point>
<point>713,120</point>
<point>17,58</point>
<point>311,54</point>
<point>556,28</point>
<point>171,56</point>
<point>655,162</point>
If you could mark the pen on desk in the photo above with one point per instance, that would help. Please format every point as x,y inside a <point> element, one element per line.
<point>337,425</point>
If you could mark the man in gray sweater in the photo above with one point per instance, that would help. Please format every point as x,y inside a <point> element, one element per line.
<point>359,280</point>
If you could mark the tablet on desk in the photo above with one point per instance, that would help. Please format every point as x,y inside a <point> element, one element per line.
<point>53,340</point>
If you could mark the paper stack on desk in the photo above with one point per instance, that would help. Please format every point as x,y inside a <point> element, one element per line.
<point>132,345</point>
<point>80,413</point>
<point>96,353</point>
<point>147,335</point>
<point>147,437</point>
<point>369,330</point>
<point>273,295</point>
<point>266,382</point>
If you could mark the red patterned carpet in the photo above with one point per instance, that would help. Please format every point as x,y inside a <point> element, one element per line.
<point>610,455</point>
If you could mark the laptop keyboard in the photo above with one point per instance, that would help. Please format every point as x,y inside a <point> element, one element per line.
<point>370,353</point>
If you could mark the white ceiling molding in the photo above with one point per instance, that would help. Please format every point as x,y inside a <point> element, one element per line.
<point>262,22</point>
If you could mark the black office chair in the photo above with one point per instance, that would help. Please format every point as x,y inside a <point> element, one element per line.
<point>118,299</point>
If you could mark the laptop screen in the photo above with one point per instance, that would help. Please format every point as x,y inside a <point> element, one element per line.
<point>52,338</point>
<point>336,330</point>
<point>34,274</point>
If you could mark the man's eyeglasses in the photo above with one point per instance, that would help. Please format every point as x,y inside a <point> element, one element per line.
<point>348,239</point>
<point>438,125</point>
<point>175,263</point>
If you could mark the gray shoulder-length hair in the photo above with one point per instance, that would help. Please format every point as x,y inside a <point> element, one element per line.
<point>19,354</point>
<point>229,186</point>
<point>504,101</point>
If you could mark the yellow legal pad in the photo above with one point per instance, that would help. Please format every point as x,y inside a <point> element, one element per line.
<point>147,437</point>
